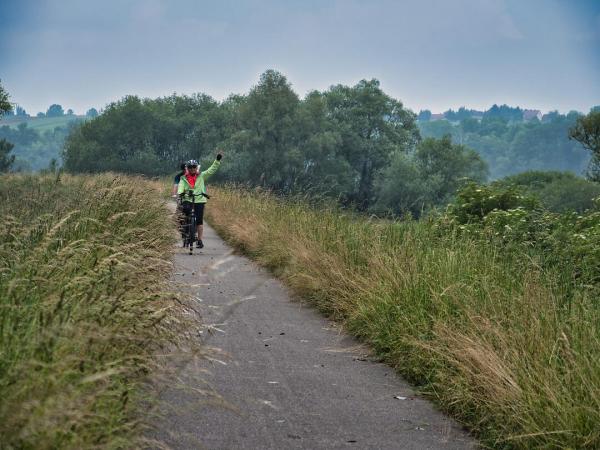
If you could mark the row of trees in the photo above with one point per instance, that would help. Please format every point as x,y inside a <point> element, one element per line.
<point>349,142</point>
<point>512,147</point>
<point>355,143</point>
<point>54,110</point>
<point>504,112</point>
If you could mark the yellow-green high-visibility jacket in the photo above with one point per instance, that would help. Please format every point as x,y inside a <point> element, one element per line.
<point>199,188</point>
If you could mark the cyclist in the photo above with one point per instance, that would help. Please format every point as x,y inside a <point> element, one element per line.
<point>177,178</point>
<point>194,181</point>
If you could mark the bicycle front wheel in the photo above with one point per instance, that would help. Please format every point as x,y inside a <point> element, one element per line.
<point>192,233</point>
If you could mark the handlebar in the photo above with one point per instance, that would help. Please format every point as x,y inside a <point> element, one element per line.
<point>191,194</point>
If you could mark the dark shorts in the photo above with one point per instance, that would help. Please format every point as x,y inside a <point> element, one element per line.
<point>198,211</point>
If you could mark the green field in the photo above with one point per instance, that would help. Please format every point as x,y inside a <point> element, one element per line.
<point>40,124</point>
<point>83,303</point>
<point>504,335</point>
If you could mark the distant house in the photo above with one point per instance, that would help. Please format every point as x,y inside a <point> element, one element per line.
<point>437,116</point>
<point>530,114</point>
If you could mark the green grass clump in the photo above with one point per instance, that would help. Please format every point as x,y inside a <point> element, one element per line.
<point>502,339</point>
<point>83,306</point>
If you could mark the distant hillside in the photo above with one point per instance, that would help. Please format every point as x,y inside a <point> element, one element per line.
<point>40,124</point>
<point>37,140</point>
<point>511,147</point>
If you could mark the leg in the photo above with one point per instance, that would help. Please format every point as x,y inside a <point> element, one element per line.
<point>199,209</point>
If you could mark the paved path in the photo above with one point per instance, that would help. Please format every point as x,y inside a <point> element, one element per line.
<point>291,378</point>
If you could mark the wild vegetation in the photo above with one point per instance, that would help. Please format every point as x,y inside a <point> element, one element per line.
<point>83,307</point>
<point>491,308</point>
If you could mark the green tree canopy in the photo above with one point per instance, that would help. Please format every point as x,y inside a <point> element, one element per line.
<point>6,160</point>
<point>267,135</point>
<point>429,177</point>
<point>372,126</point>
<point>55,110</point>
<point>91,113</point>
<point>587,132</point>
<point>5,105</point>
<point>424,115</point>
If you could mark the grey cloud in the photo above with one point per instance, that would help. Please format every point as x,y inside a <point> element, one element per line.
<point>434,53</point>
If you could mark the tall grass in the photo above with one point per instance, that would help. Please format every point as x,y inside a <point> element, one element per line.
<point>509,348</point>
<point>83,306</point>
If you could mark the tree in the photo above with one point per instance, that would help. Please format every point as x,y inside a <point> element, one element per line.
<point>6,147</point>
<point>55,111</point>
<point>445,164</point>
<point>424,115</point>
<point>40,115</point>
<point>266,133</point>
<point>145,136</point>
<point>70,112</point>
<point>464,113</point>
<point>21,112</point>
<point>5,105</point>
<point>427,178</point>
<point>325,169</point>
<point>469,125</point>
<point>401,188</point>
<point>6,161</point>
<point>91,113</point>
<point>504,112</point>
<point>372,126</point>
<point>551,116</point>
<point>457,116</point>
<point>587,132</point>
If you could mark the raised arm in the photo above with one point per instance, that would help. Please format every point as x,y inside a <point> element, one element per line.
<point>214,167</point>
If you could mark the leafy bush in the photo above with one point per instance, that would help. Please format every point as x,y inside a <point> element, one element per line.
<point>557,191</point>
<point>474,202</point>
<point>506,215</point>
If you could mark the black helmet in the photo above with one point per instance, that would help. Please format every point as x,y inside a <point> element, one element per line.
<point>191,163</point>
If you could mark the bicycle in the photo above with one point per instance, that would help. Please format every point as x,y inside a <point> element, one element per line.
<point>189,228</point>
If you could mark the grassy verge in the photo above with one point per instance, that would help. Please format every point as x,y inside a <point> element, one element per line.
<point>83,306</point>
<point>509,348</point>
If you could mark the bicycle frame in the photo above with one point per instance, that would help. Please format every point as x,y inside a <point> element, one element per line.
<point>190,226</point>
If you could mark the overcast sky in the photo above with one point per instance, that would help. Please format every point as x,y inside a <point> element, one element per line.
<point>433,54</point>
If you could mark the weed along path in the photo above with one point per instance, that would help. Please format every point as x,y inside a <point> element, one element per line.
<point>288,378</point>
